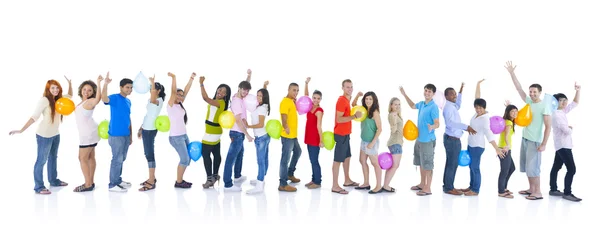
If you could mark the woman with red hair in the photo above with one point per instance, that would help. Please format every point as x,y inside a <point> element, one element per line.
<point>47,134</point>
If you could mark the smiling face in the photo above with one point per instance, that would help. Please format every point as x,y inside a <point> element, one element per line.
<point>54,90</point>
<point>259,97</point>
<point>293,91</point>
<point>451,96</point>
<point>428,93</point>
<point>534,94</point>
<point>348,88</point>
<point>316,98</point>
<point>180,97</point>
<point>243,92</point>
<point>87,91</point>
<point>127,89</point>
<point>513,114</point>
<point>562,103</point>
<point>479,110</point>
<point>395,106</point>
<point>221,93</point>
<point>369,101</point>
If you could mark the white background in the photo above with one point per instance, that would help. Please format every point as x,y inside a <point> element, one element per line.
<point>379,45</point>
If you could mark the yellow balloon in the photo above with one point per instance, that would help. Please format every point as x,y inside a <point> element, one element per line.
<point>410,131</point>
<point>226,119</point>
<point>362,110</point>
<point>524,116</point>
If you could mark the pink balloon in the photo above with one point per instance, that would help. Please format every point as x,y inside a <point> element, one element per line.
<point>251,102</point>
<point>385,160</point>
<point>303,105</point>
<point>439,99</point>
<point>497,124</point>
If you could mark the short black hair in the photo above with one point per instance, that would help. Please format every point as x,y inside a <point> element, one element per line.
<point>448,91</point>
<point>125,81</point>
<point>480,102</point>
<point>535,85</point>
<point>560,96</point>
<point>430,87</point>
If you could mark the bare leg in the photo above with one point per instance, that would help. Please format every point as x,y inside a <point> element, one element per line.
<point>92,164</point>
<point>375,163</point>
<point>346,166</point>
<point>365,168</point>
<point>428,177</point>
<point>180,171</point>
<point>389,174</point>
<point>84,155</point>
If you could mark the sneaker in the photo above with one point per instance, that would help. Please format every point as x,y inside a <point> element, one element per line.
<point>259,187</point>
<point>293,179</point>
<point>183,184</point>
<point>240,180</point>
<point>232,189</point>
<point>253,182</point>
<point>572,197</point>
<point>556,193</point>
<point>125,184</point>
<point>287,188</point>
<point>118,188</point>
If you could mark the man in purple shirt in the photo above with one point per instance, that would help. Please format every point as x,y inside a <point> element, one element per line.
<point>452,134</point>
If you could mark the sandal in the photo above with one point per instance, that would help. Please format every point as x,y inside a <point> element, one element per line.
<point>148,183</point>
<point>147,186</point>
<point>43,192</point>
<point>351,184</point>
<point>390,190</point>
<point>506,195</point>
<point>422,193</point>
<point>525,192</point>
<point>416,188</point>
<point>341,191</point>
<point>82,188</point>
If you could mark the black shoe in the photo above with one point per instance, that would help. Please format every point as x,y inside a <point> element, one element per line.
<point>556,193</point>
<point>572,197</point>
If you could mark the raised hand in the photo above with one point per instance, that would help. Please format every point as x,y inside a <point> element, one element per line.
<point>402,90</point>
<point>193,76</point>
<point>107,79</point>
<point>509,67</point>
<point>152,79</point>
<point>359,94</point>
<point>506,103</point>
<point>171,75</point>
<point>266,83</point>
<point>577,87</point>
<point>249,72</point>
<point>307,80</point>
<point>202,78</point>
<point>480,81</point>
<point>68,80</point>
<point>100,78</point>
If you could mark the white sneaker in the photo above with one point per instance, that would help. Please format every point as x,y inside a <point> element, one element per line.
<point>258,189</point>
<point>253,182</point>
<point>118,188</point>
<point>233,189</point>
<point>240,180</point>
<point>125,184</point>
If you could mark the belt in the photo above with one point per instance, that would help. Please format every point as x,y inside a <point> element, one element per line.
<point>451,137</point>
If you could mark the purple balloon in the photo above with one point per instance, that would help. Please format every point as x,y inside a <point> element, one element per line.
<point>497,124</point>
<point>385,160</point>
<point>303,105</point>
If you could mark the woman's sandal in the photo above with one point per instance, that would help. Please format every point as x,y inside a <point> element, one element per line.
<point>43,192</point>
<point>147,186</point>
<point>82,188</point>
<point>506,195</point>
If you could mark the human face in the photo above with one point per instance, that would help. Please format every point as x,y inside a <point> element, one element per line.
<point>221,93</point>
<point>451,96</point>
<point>534,94</point>
<point>428,93</point>
<point>348,88</point>
<point>259,97</point>
<point>513,114</point>
<point>243,92</point>
<point>316,99</point>
<point>86,91</point>
<point>293,91</point>
<point>369,101</point>
<point>127,89</point>
<point>396,106</point>
<point>54,90</point>
<point>180,97</point>
<point>562,103</point>
<point>479,110</point>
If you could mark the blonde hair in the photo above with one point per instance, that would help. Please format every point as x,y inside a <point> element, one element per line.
<point>390,106</point>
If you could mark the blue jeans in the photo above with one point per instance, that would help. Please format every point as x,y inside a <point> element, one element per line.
<point>235,156</point>
<point>119,145</point>
<point>148,137</point>
<point>475,153</point>
<point>47,150</point>
<point>180,143</point>
<point>453,147</point>
<point>262,155</point>
<point>313,155</point>
<point>288,146</point>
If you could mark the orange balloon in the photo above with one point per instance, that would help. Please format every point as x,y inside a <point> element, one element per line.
<point>524,116</point>
<point>64,106</point>
<point>410,131</point>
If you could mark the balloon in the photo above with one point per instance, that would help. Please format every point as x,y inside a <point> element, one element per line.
<point>195,150</point>
<point>385,160</point>
<point>362,109</point>
<point>251,102</point>
<point>141,84</point>
<point>410,131</point>
<point>103,129</point>
<point>328,140</point>
<point>162,123</point>
<point>274,128</point>
<point>439,100</point>
<point>551,101</point>
<point>303,105</point>
<point>64,106</point>
<point>226,119</point>
<point>524,116</point>
<point>464,159</point>
<point>497,124</point>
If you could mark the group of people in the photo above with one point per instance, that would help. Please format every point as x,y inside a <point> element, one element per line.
<point>535,136</point>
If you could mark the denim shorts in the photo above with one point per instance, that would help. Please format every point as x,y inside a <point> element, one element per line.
<point>371,152</point>
<point>395,149</point>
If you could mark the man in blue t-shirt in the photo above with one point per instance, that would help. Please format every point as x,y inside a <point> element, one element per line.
<point>119,131</point>
<point>427,122</point>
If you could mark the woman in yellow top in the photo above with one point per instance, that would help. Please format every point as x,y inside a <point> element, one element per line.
<point>507,166</point>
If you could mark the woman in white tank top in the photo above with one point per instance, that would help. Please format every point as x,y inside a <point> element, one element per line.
<point>88,131</point>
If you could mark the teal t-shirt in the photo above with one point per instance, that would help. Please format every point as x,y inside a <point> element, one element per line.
<point>368,128</point>
<point>535,130</point>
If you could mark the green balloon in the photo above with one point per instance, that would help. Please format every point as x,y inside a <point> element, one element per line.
<point>162,123</point>
<point>274,128</point>
<point>103,129</point>
<point>328,140</point>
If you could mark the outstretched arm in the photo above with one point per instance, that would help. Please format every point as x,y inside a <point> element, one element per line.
<point>410,102</point>
<point>577,88</point>
<point>107,80</point>
<point>70,92</point>
<point>249,75</point>
<point>265,84</point>
<point>306,86</point>
<point>94,101</point>
<point>205,95</point>
<point>478,89</point>
<point>511,69</point>
<point>173,94</point>
<point>188,86</point>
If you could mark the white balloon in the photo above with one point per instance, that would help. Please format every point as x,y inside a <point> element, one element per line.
<point>141,84</point>
<point>251,102</point>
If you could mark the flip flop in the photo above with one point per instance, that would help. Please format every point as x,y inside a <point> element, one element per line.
<point>422,193</point>
<point>352,184</point>
<point>416,188</point>
<point>533,198</point>
<point>341,191</point>
<point>525,192</point>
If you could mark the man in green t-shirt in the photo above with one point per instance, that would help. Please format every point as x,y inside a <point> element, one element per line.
<point>533,142</point>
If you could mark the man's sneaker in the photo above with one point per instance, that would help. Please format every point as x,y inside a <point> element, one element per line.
<point>125,184</point>
<point>572,198</point>
<point>118,188</point>
<point>556,193</point>
<point>293,179</point>
<point>240,180</point>
<point>253,182</point>
<point>233,188</point>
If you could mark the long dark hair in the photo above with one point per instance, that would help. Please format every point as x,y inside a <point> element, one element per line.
<point>265,99</point>
<point>374,107</point>
<point>160,87</point>
<point>507,115</point>
<point>227,97</point>
<point>181,104</point>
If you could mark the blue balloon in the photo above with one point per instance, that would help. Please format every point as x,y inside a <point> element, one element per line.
<point>551,102</point>
<point>195,150</point>
<point>464,159</point>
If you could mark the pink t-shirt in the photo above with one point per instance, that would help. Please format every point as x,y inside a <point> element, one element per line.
<point>238,108</point>
<point>176,114</point>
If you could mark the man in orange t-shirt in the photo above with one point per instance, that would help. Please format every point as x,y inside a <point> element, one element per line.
<point>341,135</point>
